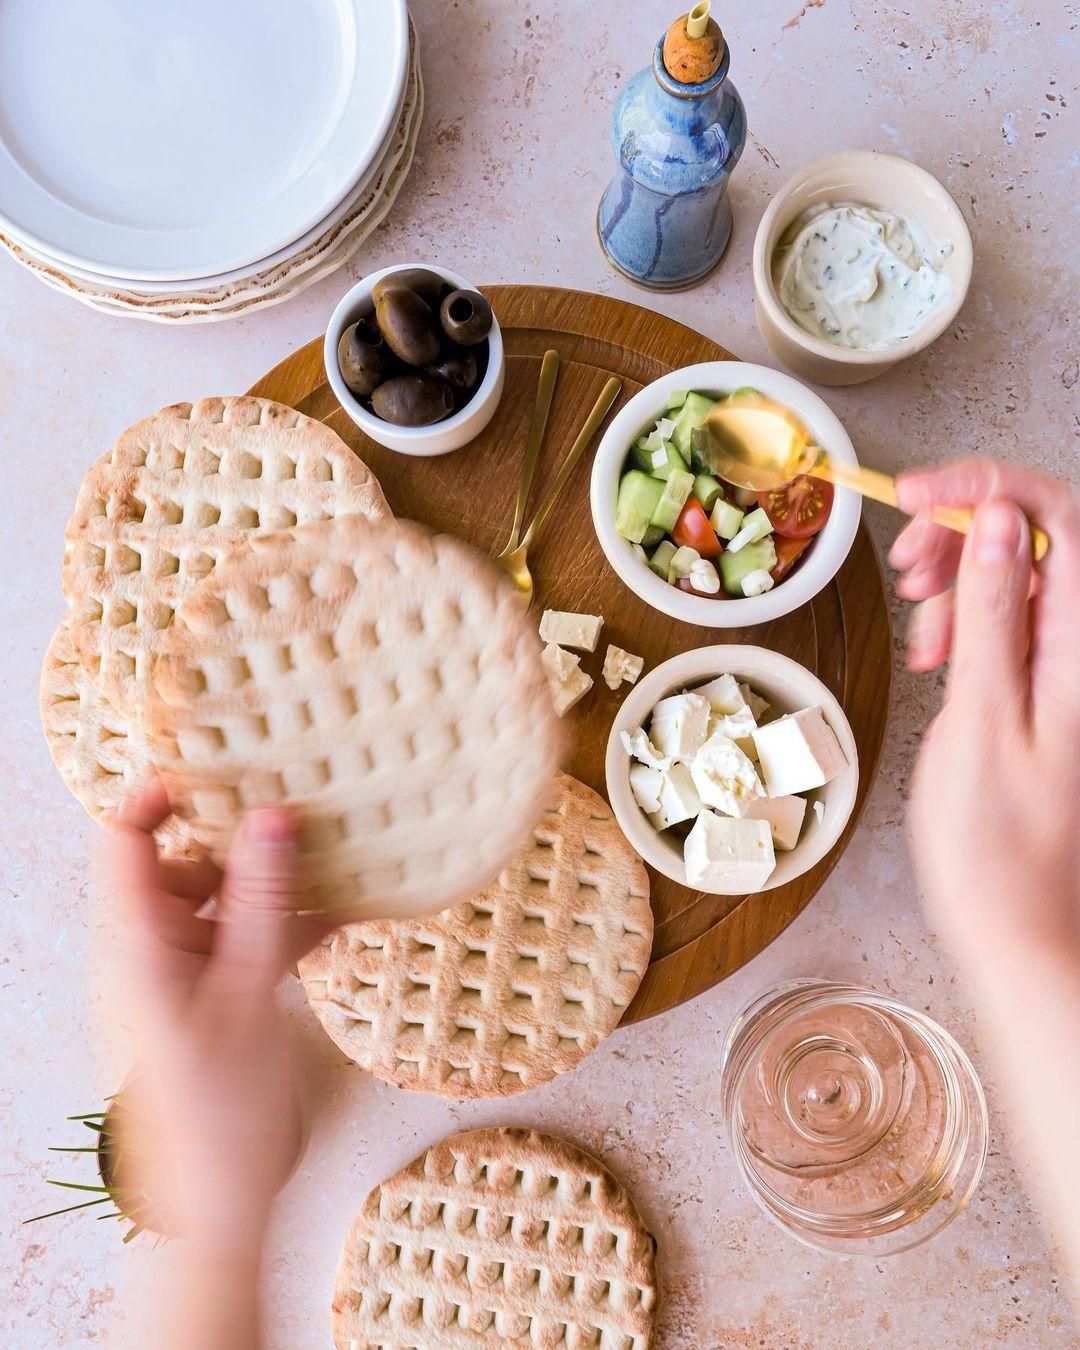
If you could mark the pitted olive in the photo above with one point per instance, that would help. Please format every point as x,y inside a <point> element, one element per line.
<point>428,285</point>
<point>465,317</point>
<point>408,326</point>
<point>363,356</point>
<point>458,366</point>
<point>414,400</point>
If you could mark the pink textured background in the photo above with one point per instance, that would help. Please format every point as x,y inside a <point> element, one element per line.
<point>512,159</point>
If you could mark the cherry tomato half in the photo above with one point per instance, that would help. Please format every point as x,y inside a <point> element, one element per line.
<point>800,508</point>
<point>788,553</point>
<point>692,530</point>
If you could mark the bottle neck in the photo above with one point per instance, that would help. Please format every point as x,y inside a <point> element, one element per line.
<point>689,92</point>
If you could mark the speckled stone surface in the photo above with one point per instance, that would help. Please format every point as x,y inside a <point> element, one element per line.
<point>512,160</point>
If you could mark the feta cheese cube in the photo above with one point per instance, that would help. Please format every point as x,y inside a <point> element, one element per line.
<point>638,746</point>
<point>722,852</point>
<point>567,682</point>
<point>724,777</point>
<point>680,725</point>
<point>724,694</point>
<point>646,785</point>
<point>679,800</point>
<point>819,811</point>
<point>571,630</point>
<point>798,752</point>
<point>620,666</point>
<point>758,705</point>
<point>785,817</point>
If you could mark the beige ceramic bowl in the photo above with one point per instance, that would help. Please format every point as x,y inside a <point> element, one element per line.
<point>887,183</point>
<point>788,687</point>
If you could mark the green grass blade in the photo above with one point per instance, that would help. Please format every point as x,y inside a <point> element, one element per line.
<point>102,1200</point>
<point>79,1186</point>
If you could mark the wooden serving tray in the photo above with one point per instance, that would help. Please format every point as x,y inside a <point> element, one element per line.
<point>843,634</point>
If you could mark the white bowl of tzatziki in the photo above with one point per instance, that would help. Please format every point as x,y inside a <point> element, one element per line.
<point>860,260</point>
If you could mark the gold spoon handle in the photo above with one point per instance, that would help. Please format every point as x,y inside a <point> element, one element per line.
<point>881,487</point>
<point>545,391</point>
<point>607,397</point>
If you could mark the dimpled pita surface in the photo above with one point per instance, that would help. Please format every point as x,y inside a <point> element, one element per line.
<point>101,753</point>
<point>509,988</point>
<point>493,1238</point>
<point>382,678</point>
<point>176,493</point>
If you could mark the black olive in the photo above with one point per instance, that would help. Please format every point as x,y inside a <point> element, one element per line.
<point>414,400</point>
<point>428,285</point>
<point>363,357</point>
<point>408,326</point>
<point>465,317</point>
<point>458,366</point>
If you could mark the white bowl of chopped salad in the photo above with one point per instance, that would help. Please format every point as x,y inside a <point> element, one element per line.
<point>697,548</point>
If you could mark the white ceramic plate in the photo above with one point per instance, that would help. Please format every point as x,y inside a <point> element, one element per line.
<point>294,249</point>
<point>175,142</point>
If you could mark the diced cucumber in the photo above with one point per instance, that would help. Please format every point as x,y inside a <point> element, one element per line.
<point>744,389</point>
<point>682,560</point>
<point>745,498</point>
<point>641,454</point>
<point>639,496</point>
<point>707,490</point>
<point>726,519</point>
<point>676,400</point>
<point>692,413</point>
<point>672,500</point>
<point>665,461</point>
<point>660,562</point>
<point>652,536</point>
<point>755,526</point>
<point>700,460</point>
<point>760,556</point>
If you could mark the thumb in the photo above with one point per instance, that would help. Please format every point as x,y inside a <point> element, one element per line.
<point>252,949</point>
<point>992,622</point>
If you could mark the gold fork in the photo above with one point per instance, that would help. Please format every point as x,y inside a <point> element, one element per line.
<point>513,559</point>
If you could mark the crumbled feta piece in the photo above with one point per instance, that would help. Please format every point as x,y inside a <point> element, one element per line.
<point>704,577</point>
<point>571,630</point>
<point>679,800</point>
<point>747,746</point>
<point>735,726</point>
<point>819,811</point>
<point>720,851</point>
<point>785,817</point>
<point>758,705</point>
<point>724,777</point>
<point>620,666</point>
<point>680,725</point>
<point>646,785</point>
<point>639,747</point>
<point>757,582</point>
<point>567,682</point>
<point>798,752</point>
<point>725,695</point>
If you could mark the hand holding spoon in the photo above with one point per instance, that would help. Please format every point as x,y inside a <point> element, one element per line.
<point>754,443</point>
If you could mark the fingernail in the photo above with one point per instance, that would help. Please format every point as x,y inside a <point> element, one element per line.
<point>271,827</point>
<point>998,533</point>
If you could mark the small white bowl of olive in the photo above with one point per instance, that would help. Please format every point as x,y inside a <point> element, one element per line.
<point>415,357</point>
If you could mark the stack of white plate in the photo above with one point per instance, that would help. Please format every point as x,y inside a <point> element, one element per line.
<point>187,163</point>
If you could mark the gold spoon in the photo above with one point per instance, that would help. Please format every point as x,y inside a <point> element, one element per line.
<point>545,390</point>
<point>754,443</point>
<point>513,559</point>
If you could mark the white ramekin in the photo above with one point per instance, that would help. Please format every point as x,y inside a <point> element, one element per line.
<point>788,687</point>
<point>821,562</point>
<point>886,183</point>
<point>440,437</point>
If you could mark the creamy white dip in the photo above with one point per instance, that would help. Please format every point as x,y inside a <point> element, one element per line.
<point>857,277</point>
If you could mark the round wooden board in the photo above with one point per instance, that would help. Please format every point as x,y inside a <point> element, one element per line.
<point>843,634</point>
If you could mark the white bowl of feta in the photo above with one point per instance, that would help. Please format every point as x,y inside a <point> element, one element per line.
<point>751,792</point>
<point>717,379</point>
<point>860,260</point>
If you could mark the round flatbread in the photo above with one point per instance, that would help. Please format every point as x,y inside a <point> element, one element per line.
<point>176,493</point>
<point>382,678</point>
<point>101,752</point>
<point>510,988</point>
<point>493,1238</point>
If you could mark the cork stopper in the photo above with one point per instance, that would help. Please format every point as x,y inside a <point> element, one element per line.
<point>694,46</point>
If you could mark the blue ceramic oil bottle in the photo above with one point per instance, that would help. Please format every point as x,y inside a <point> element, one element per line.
<point>678,130</point>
